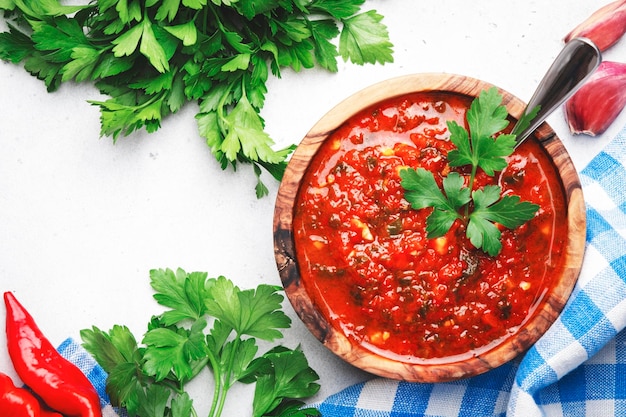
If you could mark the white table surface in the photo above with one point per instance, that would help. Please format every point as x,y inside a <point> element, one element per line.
<point>82,221</point>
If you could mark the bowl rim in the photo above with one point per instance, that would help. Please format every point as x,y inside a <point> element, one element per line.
<point>429,371</point>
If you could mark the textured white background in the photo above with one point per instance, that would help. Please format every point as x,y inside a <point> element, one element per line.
<point>82,221</point>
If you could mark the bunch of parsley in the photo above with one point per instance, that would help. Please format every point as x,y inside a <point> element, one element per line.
<point>480,148</point>
<point>152,56</point>
<point>149,380</point>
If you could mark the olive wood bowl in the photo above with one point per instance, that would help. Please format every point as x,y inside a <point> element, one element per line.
<point>367,360</point>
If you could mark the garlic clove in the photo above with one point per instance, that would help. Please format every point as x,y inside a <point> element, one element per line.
<point>604,27</point>
<point>593,108</point>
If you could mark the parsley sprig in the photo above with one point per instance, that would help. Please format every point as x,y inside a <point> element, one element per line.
<point>153,56</point>
<point>480,148</point>
<point>149,379</point>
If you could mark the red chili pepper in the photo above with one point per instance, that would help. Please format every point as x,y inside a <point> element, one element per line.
<point>16,402</point>
<point>19,402</point>
<point>59,383</point>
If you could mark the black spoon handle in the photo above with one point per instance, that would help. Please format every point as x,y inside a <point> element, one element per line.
<point>575,63</point>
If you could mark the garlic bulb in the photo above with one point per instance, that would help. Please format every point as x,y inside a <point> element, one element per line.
<point>604,27</point>
<point>593,108</point>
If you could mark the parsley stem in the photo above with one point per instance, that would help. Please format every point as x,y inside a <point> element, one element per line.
<point>217,372</point>
<point>175,386</point>
<point>218,20</point>
<point>223,121</point>
<point>471,188</point>
<point>227,383</point>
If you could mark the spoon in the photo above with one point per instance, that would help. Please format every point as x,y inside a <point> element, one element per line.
<point>575,63</point>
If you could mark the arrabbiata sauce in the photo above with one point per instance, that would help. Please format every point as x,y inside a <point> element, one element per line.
<point>364,257</point>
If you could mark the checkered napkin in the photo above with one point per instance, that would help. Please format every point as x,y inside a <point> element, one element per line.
<point>577,369</point>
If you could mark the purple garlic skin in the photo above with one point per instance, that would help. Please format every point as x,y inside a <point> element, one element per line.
<point>593,108</point>
<point>604,27</point>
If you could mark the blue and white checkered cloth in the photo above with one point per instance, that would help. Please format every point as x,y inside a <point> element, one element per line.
<point>577,369</point>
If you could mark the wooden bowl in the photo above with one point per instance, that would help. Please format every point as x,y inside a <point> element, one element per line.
<point>424,371</point>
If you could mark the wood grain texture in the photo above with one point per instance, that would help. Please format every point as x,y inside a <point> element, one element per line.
<point>424,371</point>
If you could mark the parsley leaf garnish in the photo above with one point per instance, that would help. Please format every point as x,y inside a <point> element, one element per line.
<point>152,57</point>
<point>486,117</point>
<point>208,323</point>
<point>481,209</point>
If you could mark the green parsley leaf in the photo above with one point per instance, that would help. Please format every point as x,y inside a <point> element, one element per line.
<point>124,387</point>
<point>153,401</point>
<point>289,376</point>
<point>129,10</point>
<point>456,192</point>
<point>261,189</point>
<point>337,9</point>
<point>118,354</point>
<point>127,43</point>
<point>15,46</point>
<point>117,347</point>
<point>58,38</point>
<point>41,9</point>
<point>482,147</point>
<point>47,71</point>
<point>507,211</point>
<point>168,10</point>
<point>252,8</point>
<point>218,336</point>
<point>117,117</point>
<point>82,64</point>
<point>486,117</point>
<point>186,32</point>
<point>182,405</point>
<point>195,4</point>
<point>243,354</point>
<point>326,52</point>
<point>295,28</point>
<point>248,312</point>
<point>236,63</point>
<point>110,66</point>
<point>422,191</point>
<point>245,135</point>
<point>151,48</point>
<point>184,293</point>
<point>365,40</point>
<point>489,208</point>
<point>173,350</point>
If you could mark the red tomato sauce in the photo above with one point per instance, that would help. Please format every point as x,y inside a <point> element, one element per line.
<point>363,253</point>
